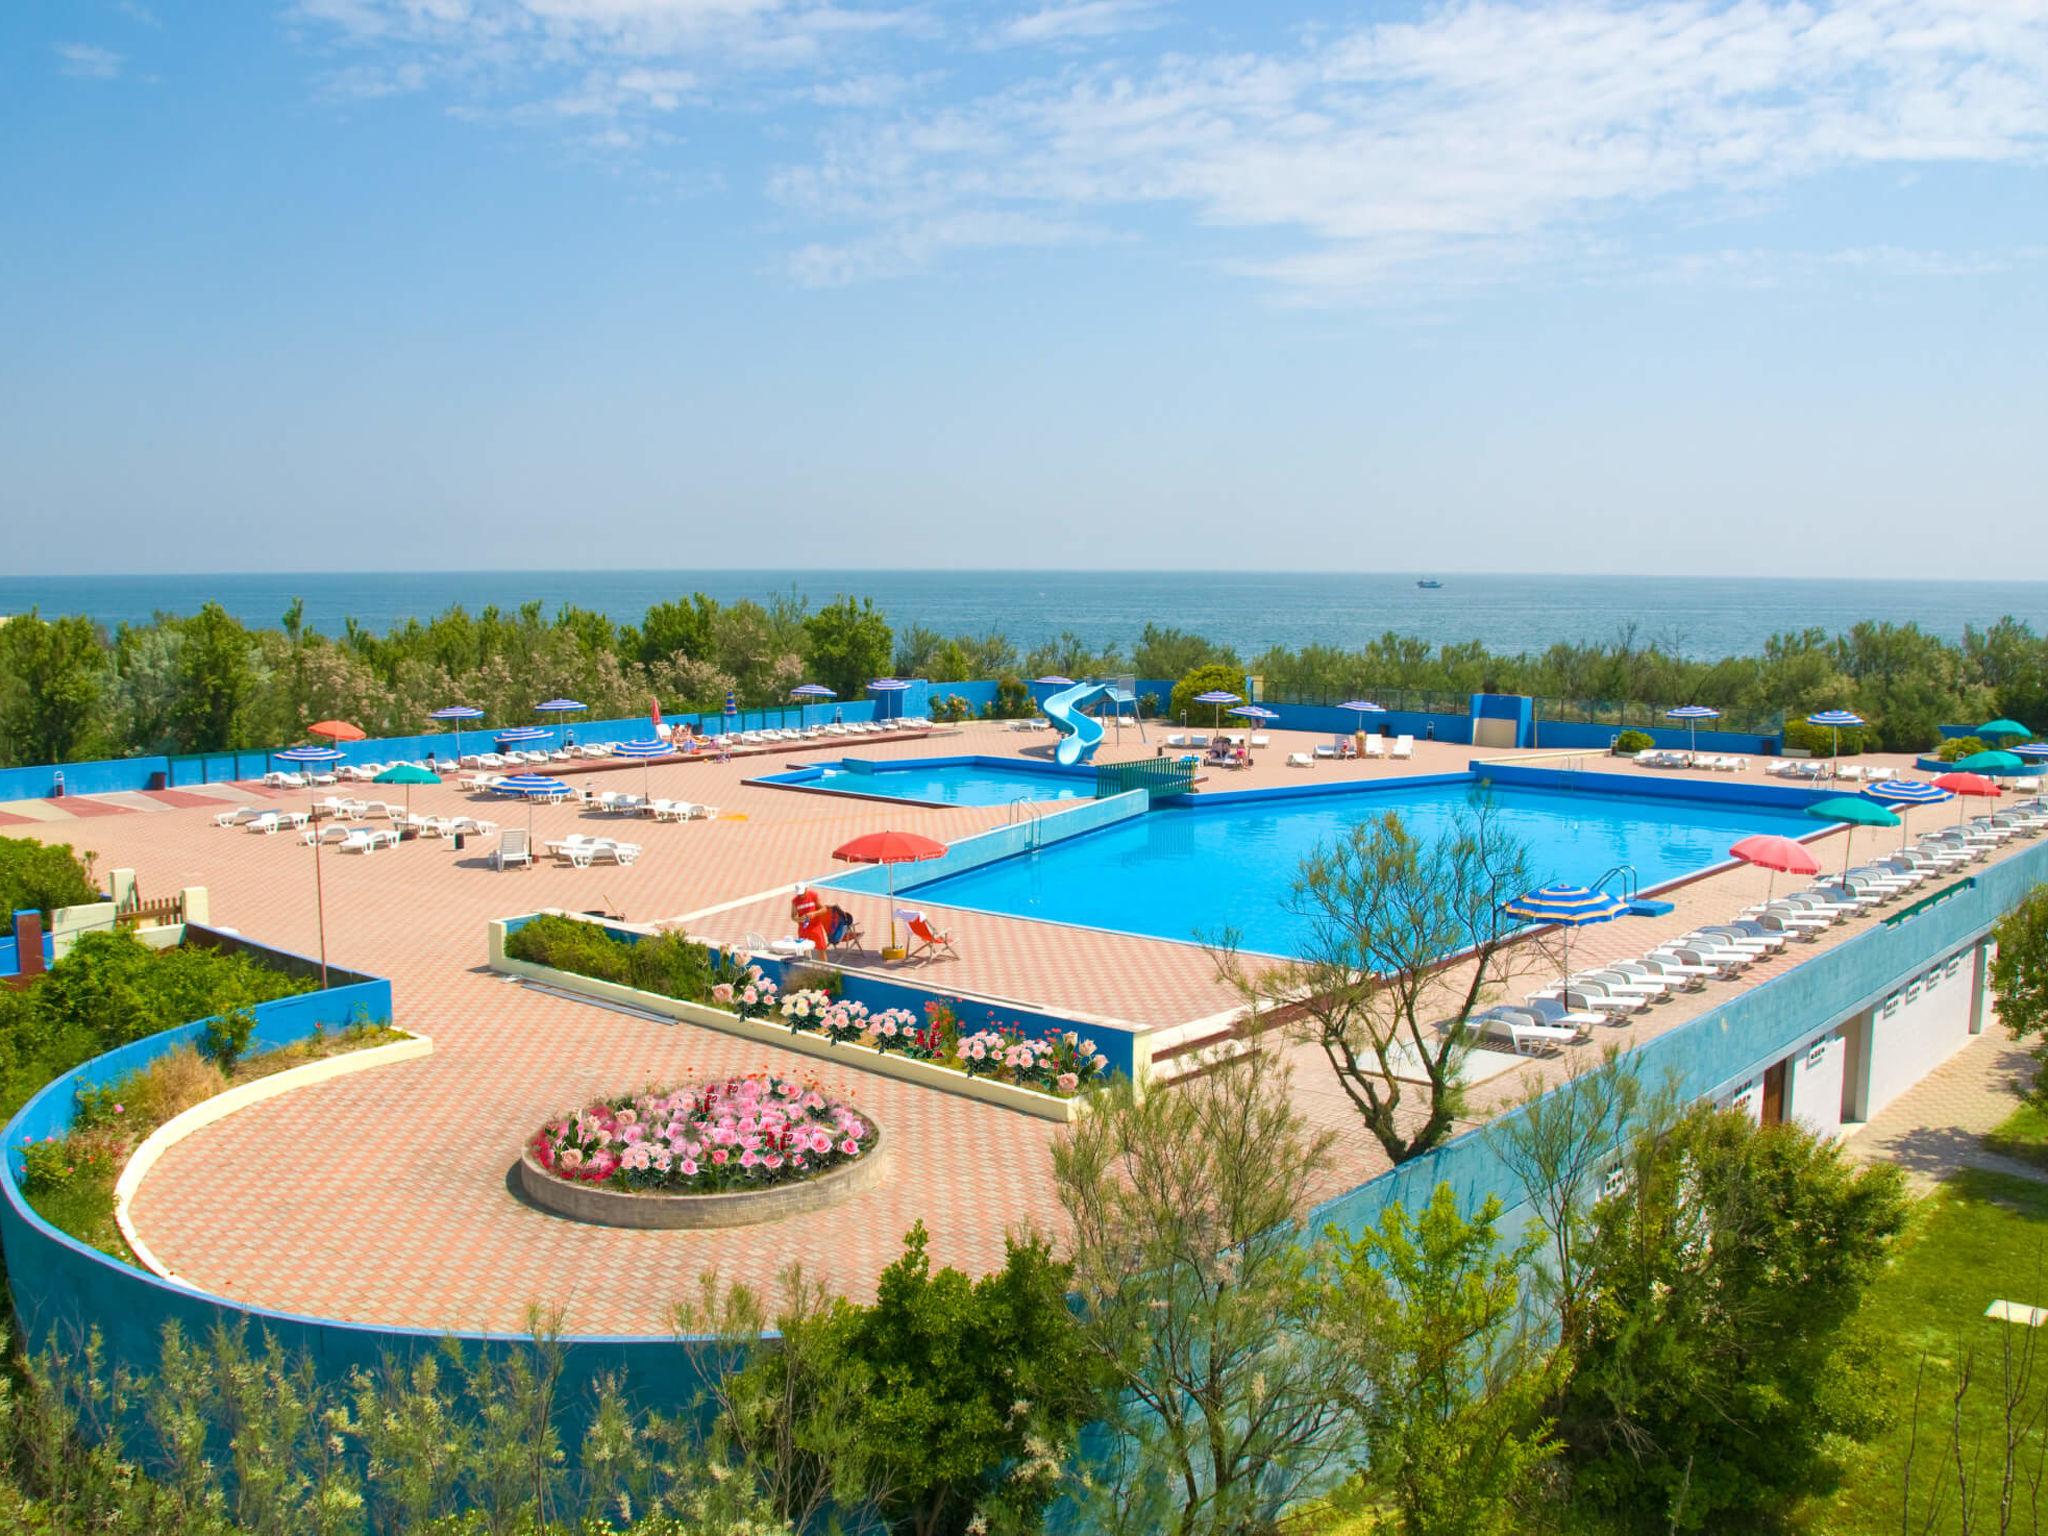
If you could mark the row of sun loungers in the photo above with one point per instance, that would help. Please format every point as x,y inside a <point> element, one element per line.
<point>1563,1014</point>
<point>1714,762</point>
<point>1399,748</point>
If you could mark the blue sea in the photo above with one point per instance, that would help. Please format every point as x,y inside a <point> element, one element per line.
<point>1697,616</point>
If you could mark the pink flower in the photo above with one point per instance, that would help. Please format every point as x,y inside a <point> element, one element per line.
<point>722,993</point>
<point>571,1158</point>
<point>1068,1082</point>
<point>689,1167</point>
<point>719,1155</point>
<point>849,1146</point>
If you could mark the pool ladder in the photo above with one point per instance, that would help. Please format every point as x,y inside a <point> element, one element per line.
<point>1014,813</point>
<point>1630,885</point>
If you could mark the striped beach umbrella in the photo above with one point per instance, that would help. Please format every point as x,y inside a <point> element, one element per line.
<point>1363,707</point>
<point>890,685</point>
<point>529,787</point>
<point>1836,720</point>
<point>1692,715</point>
<point>646,751</point>
<point>523,735</point>
<point>309,755</point>
<point>1902,795</point>
<point>559,706</point>
<point>1219,697</point>
<point>1053,680</point>
<point>312,756</point>
<point>1567,908</point>
<point>812,691</point>
<point>457,713</point>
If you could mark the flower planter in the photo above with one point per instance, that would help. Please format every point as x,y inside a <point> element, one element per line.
<point>767,1031</point>
<point>600,1206</point>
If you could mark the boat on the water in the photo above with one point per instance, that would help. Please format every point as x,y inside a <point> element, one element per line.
<point>1429,583</point>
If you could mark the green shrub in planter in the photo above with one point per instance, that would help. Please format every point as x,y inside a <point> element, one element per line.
<point>1820,739</point>
<point>1956,748</point>
<point>1632,742</point>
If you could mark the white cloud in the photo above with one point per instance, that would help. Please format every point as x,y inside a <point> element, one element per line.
<point>1071,20</point>
<point>1483,135</point>
<point>87,61</point>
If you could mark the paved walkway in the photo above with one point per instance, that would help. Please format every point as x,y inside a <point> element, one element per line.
<point>1937,1126</point>
<point>383,1197</point>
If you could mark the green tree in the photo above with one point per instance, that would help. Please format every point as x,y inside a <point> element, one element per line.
<point>1208,678</point>
<point>681,628</point>
<point>37,876</point>
<point>1168,652</point>
<point>214,679</point>
<point>1717,1361</point>
<point>2019,978</point>
<point>1451,1392</point>
<point>53,684</point>
<point>847,643</point>
<point>1198,1293</point>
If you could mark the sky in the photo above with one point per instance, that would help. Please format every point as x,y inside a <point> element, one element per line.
<point>1741,288</point>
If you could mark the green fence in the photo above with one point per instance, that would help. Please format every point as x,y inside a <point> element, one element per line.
<point>1639,714</point>
<point>1161,778</point>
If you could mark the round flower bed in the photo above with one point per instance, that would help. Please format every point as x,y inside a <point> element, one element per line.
<point>707,1155</point>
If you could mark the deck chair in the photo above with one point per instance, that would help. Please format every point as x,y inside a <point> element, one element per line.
<point>844,929</point>
<point>513,848</point>
<point>930,942</point>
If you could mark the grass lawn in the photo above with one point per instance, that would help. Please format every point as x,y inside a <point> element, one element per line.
<point>1980,1238</point>
<point>2024,1136</point>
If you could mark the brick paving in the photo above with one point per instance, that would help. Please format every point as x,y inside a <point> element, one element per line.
<point>384,1197</point>
<point>1937,1126</point>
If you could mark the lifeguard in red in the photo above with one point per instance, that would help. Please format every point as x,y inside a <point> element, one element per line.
<point>808,914</point>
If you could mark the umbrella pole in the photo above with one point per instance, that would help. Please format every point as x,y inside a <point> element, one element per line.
<point>320,905</point>
<point>892,904</point>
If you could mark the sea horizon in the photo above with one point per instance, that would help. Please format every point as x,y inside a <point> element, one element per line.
<point>1694,615</point>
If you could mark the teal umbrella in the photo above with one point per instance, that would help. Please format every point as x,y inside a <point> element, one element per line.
<point>1857,812</point>
<point>1990,762</point>
<point>1995,728</point>
<point>407,774</point>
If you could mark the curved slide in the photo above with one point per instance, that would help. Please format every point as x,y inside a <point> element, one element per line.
<point>1079,735</point>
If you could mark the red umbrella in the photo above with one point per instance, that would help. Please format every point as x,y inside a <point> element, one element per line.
<point>1968,786</point>
<point>337,730</point>
<point>891,849</point>
<point>1778,855</point>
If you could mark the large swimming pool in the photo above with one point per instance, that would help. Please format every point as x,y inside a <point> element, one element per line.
<point>1188,873</point>
<point>944,780</point>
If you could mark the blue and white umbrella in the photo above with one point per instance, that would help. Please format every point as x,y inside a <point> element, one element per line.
<point>1836,720</point>
<point>559,706</point>
<point>646,750</point>
<point>1566,907</point>
<point>1218,697</point>
<point>457,713</point>
<point>1692,715</point>
<point>2033,751</point>
<point>518,735</point>
<point>1903,794</point>
<point>1053,680</point>
<point>890,685</point>
<point>1363,707</point>
<point>812,691</point>
<point>530,784</point>
<point>309,755</point>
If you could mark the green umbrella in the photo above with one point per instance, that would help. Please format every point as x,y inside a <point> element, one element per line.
<point>1989,762</point>
<point>1857,812</point>
<point>2001,728</point>
<point>407,774</point>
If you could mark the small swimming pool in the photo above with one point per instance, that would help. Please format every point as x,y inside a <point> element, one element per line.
<point>943,780</point>
<point>1190,872</point>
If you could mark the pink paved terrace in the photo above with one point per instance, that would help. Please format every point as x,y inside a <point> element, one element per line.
<point>383,1197</point>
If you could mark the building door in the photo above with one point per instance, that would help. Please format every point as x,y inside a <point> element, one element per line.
<point>1774,1093</point>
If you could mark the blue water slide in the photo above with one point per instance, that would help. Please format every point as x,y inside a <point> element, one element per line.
<point>1079,735</point>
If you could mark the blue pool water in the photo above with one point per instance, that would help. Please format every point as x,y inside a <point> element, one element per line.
<point>947,781</point>
<point>1188,873</point>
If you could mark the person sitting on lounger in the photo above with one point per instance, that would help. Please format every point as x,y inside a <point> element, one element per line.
<point>843,931</point>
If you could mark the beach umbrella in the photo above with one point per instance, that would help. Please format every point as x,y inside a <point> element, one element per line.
<point>1990,762</point>
<point>1903,794</point>
<point>1779,855</point>
<point>1692,715</point>
<point>1857,812</point>
<point>407,774</point>
<point>1054,681</point>
<point>313,755</point>
<point>523,735</point>
<point>1567,908</point>
<point>889,849</point>
<point>812,691</point>
<point>1836,720</point>
<point>1967,786</point>
<point>337,730</point>
<point>889,685</point>
<point>559,706</point>
<point>529,787</point>
<point>2033,751</point>
<point>1219,697</point>
<point>646,750</point>
<point>1992,730</point>
<point>1363,707</point>
<point>457,713</point>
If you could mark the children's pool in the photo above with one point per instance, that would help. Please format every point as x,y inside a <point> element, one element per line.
<point>944,780</point>
<point>1191,872</point>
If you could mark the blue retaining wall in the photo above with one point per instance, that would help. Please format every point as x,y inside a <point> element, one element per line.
<point>1333,722</point>
<point>1647,783</point>
<point>1009,766</point>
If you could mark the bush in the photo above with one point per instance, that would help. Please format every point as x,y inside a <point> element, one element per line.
<point>1820,739</point>
<point>1956,748</point>
<point>1013,700</point>
<point>42,876</point>
<point>951,708</point>
<point>664,963</point>
<point>1202,680</point>
<point>1631,742</point>
<point>226,1038</point>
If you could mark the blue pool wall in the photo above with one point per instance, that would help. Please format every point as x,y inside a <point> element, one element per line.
<point>811,772</point>
<point>1118,1043</point>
